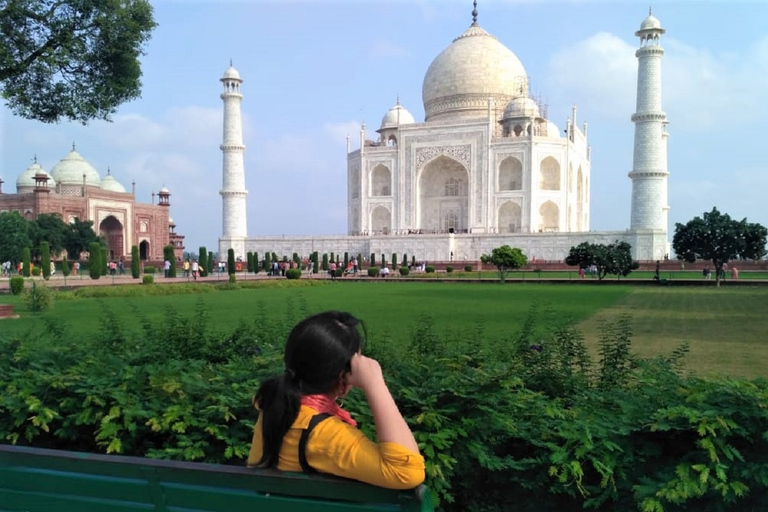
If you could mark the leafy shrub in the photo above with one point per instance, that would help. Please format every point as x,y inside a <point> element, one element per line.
<point>293,273</point>
<point>17,285</point>
<point>232,278</point>
<point>94,260</point>
<point>38,298</point>
<point>373,271</point>
<point>36,271</point>
<point>65,268</point>
<point>148,279</point>
<point>430,269</point>
<point>404,271</point>
<point>149,269</point>
<point>467,268</point>
<point>449,269</point>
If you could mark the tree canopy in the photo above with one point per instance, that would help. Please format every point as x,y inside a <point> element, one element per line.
<point>505,259</point>
<point>717,238</point>
<point>76,60</point>
<point>615,258</point>
<point>14,236</point>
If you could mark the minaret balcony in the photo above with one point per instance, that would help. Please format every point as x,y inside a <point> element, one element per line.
<point>649,116</point>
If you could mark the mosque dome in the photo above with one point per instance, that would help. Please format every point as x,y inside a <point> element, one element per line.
<point>650,23</point>
<point>70,171</point>
<point>231,74</point>
<point>521,107</point>
<point>164,191</point>
<point>109,183</point>
<point>396,116</point>
<point>553,130</point>
<point>26,180</point>
<point>474,68</point>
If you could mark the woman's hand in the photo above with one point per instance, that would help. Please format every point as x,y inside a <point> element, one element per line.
<point>366,372</point>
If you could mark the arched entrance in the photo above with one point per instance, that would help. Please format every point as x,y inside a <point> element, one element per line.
<point>443,196</point>
<point>144,250</point>
<point>381,220</point>
<point>112,231</point>
<point>510,218</point>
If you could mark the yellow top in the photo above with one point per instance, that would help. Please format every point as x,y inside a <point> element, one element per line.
<point>337,448</point>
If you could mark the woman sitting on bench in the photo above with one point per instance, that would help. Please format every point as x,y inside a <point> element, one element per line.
<point>300,426</point>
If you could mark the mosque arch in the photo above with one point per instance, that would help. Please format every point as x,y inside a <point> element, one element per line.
<point>144,250</point>
<point>549,175</point>
<point>580,200</point>
<point>549,218</point>
<point>509,218</point>
<point>112,231</point>
<point>443,199</point>
<point>381,181</point>
<point>510,174</point>
<point>381,220</point>
<point>392,141</point>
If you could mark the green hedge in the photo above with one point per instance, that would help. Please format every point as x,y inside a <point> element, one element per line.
<point>404,271</point>
<point>148,279</point>
<point>373,271</point>
<point>528,419</point>
<point>429,269</point>
<point>17,285</point>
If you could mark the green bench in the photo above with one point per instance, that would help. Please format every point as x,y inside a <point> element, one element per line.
<point>41,480</point>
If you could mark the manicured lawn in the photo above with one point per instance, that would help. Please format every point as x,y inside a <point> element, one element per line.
<point>727,329</point>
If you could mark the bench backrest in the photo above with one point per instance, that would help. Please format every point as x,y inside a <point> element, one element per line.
<point>41,480</point>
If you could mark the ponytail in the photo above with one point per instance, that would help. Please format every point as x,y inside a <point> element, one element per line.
<point>279,400</point>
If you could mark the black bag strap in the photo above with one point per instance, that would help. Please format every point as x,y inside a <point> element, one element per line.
<point>315,421</point>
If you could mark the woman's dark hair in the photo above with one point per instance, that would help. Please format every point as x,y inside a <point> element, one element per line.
<point>319,349</point>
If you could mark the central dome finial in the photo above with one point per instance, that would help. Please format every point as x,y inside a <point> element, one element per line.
<point>474,13</point>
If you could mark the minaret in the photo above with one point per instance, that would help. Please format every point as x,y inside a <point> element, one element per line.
<point>649,168</point>
<point>233,192</point>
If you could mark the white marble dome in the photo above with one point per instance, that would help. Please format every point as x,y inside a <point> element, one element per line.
<point>474,68</point>
<point>552,130</point>
<point>110,184</point>
<point>650,23</point>
<point>26,180</point>
<point>521,107</point>
<point>70,170</point>
<point>231,74</point>
<point>396,116</point>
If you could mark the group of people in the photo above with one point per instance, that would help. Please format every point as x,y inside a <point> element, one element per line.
<point>192,267</point>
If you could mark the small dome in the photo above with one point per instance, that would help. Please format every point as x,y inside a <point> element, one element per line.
<point>521,107</point>
<point>110,184</point>
<point>474,68</point>
<point>231,74</point>
<point>396,116</point>
<point>70,171</point>
<point>26,180</point>
<point>164,191</point>
<point>650,23</point>
<point>170,221</point>
<point>553,130</point>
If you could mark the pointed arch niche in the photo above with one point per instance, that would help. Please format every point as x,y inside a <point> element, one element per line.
<point>381,220</point>
<point>549,218</point>
<point>510,174</point>
<point>381,181</point>
<point>443,196</point>
<point>549,175</point>
<point>510,217</point>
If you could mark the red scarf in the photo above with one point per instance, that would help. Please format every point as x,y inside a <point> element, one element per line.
<point>322,403</point>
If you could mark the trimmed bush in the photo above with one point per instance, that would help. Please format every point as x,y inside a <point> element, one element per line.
<point>36,271</point>
<point>65,266</point>
<point>169,254</point>
<point>404,271</point>
<point>467,268</point>
<point>209,266</point>
<point>45,259</point>
<point>148,278</point>
<point>231,263</point>
<point>373,259</point>
<point>249,261</point>
<point>38,298</point>
<point>429,269</point>
<point>448,269</point>
<point>325,262</point>
<point>203,261</point>
<point>17,285</point>
<point>268,263</point>
<point>94,260</point>
<point>405,260</point>
<point>293,273</point>
<point>150,269</point>
<point>373,271</point>
<point>135,263</point>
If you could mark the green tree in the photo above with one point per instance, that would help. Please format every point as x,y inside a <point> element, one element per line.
<point>78,238</point>
<point>72,60</point>
<point>256,262</point>
<point>373,259</point>
<point>505,259</point>
<point>717,238</point>
<point>203,262</point>
<point>65,266</point>
<point>615,258</point>
<point>168,254</point>
<point>315,268</point>
<point>26,260</point>
<point>94,260</point>
<point>209,266</point>
<point>104,259</point>
<point>14,236</point>
<point>135,264</point>
<point>230,261</point>
<point>48,227</point>
<point>267,262</point>
<point>249,257</point>
<point>325,262</point>
<point>45,260</point>
<point>394,260</point>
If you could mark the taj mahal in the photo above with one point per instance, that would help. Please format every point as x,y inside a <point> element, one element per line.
<point>485,168</point>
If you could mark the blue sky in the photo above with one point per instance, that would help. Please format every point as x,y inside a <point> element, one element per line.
<point>315,70</point>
